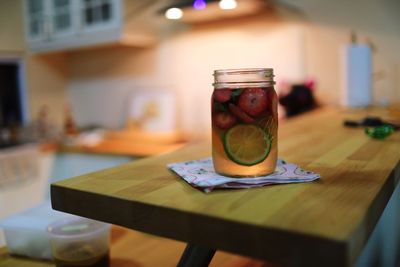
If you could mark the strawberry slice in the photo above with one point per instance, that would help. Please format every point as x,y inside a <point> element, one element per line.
<point>224,120</point>
<point>272,100</point>
<point>222,95</point>
<point>240,114</point>
<point>253,101</point>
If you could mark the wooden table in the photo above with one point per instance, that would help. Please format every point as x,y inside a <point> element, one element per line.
<point>324,223</point>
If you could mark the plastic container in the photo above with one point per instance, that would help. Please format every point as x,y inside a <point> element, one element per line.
<point>80,242</point>
<point>244,122</point>
<point>26,232</point>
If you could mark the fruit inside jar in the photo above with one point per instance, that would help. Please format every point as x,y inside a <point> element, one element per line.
<point>244,131</point>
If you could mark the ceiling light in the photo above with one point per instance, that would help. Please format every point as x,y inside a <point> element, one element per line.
<point>199,4</point>
<point>173,13</point>
<point>227,4</point>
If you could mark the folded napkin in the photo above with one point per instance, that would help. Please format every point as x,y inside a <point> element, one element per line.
<point>201,174</point>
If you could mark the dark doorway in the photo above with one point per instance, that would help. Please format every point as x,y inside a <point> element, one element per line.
<point>10,98</point>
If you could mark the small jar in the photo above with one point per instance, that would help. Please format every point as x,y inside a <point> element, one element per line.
<point>244,122</point>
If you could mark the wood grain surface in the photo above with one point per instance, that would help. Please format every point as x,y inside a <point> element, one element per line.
<point>124,147</point>
<point>324,223</point>
<point>132,143</point>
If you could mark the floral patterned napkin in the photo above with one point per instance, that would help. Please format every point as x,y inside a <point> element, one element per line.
<point>200,174</point>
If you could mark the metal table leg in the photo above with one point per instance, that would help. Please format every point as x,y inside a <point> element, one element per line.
<point>196,256</point>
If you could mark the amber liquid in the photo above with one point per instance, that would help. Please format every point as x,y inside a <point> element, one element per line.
<point>266,120</point>
<point>102,260</point>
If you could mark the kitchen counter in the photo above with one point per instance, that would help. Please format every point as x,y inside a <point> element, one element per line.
<point>131,143</point>
<point>324,223</point>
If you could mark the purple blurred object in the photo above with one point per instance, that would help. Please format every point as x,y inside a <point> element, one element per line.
<point>199,4</point>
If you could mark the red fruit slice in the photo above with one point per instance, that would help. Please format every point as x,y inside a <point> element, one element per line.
<point>222,95</point>
<point>253,101</point>
<point>224,120</point>
<point>240,114</point>
<point>272,101</point>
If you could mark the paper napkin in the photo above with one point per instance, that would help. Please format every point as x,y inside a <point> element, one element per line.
<point>201,174</point>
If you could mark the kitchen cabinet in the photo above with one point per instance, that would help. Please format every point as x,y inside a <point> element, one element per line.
<point>53,25</point>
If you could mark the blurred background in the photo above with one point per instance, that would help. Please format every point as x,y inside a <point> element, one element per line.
<point>94,55</point>
<point>124,79</point>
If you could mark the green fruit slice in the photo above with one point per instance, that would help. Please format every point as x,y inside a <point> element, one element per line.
<point>247,144</point>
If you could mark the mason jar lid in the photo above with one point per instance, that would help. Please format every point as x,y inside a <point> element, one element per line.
<point>243,77</point>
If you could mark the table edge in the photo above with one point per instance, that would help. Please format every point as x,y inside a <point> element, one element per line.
<point>294,245</point>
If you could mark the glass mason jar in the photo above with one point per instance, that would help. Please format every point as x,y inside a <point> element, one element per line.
<point>244,122</point>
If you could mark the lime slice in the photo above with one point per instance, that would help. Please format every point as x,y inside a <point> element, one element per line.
<point>247,144</point>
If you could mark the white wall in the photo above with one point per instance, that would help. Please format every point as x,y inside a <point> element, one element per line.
<point>11,29</point>
<point>329,24</point>
<point>104,101</point>
<point>296,47</point>
<point>195,55</point>
<point>101,81</point>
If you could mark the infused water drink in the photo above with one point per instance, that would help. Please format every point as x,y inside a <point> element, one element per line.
<point>244,122</point>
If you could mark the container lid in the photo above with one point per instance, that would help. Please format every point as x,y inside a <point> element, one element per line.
<point>226,77</point>
<point>76,227</point>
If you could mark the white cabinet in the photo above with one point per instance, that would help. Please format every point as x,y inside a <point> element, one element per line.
<point>53,25</point>
<point>36,29</point>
